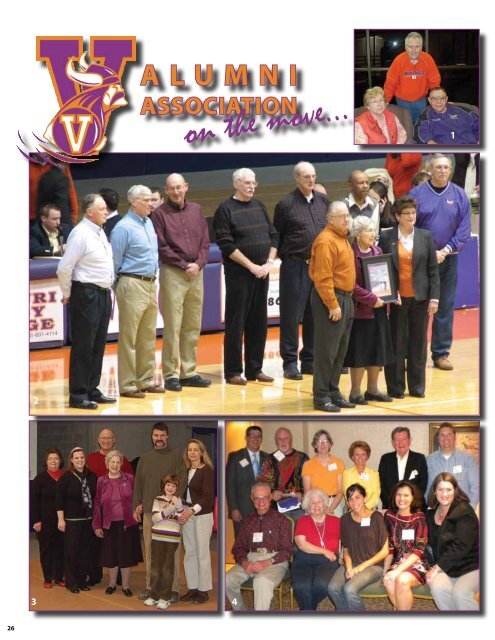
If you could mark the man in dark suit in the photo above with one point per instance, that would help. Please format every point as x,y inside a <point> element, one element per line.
<point>243,467</point>
<point>48,235</point>
<point>112,200</point>
<point>404,464</point>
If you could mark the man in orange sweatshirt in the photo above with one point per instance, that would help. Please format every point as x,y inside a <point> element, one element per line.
<point>332,270</point>
<point>412,73</point>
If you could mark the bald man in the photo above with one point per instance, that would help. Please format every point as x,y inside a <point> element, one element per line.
<point>183,246</point>
<point>299,218</point>
<point>96,461</point>
<point>359,202</point>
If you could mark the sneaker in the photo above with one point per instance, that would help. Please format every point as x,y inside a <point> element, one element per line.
<point>149,602</point>
<point>145,594</point>
<point>163,604</point>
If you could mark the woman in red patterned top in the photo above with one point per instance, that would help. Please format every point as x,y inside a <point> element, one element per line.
<point>408,537</point>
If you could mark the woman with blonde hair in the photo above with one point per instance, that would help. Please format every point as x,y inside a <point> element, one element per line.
<point>197,521</point>
<point>378,125</point>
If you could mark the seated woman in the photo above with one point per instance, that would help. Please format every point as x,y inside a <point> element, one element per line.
<point>44,514</point>
<point>359,453</point>
<point>378,125</point>
<point>365,542</point>
<point>416,276</point>
<point>315,560</point>
<point>453,531</point>
<point>113,521</point>
<point>370,342</point>
<point>324,472</point>
<point>408,537</point>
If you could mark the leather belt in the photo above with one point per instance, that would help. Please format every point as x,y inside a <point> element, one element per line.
<point>138,277</point>
<point>347,294</point>
<point>297,259</point>
<point>89,285</point>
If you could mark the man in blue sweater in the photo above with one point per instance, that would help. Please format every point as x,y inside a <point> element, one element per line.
<point>445,123</point>
<point>443,209</point>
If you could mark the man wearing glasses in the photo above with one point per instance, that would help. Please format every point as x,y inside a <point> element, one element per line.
<point>262,551</point>
<point>334,276</point>
<point>243,467</point>
<point>135,259</point>
<point>445,123</point>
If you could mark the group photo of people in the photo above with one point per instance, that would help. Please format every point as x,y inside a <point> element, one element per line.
<point>123,516</point>
<point>352,516</point>
<point>417,87</point>
<point>275,301</point>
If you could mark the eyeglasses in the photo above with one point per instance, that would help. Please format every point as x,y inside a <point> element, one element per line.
<point>438,98</point>
<point>261,498</point>
<point>380,101</point>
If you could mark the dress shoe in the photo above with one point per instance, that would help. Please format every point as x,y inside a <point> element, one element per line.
<point>329,407</point>
<point>195,381</point>
<point>110,590</point>
<point>73,589</point>
<point>189,596</point>
<point>443,363</point>
<point>201,597</point>
<point>396,394</point>
<point>358,400</point>
<point>292,373</point>
<point>377,397</point>
<point>155,388</point>
<point>262,377</point>
<point>127,593</point>
<point>133,394</point>
<point>173,384</point>
<point>101,399</point>
<point>145,594</point>
<point>84,404</point>
<point>84,588</point>
<point>414,394</point>
<point>341,402</point>
<point>175,597</point>
<point>307,368</point>
<point>239,380</point>
<point>47,585</point>
<point>60,583</point>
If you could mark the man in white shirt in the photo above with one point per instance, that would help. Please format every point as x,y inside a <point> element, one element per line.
<point>85,275</point>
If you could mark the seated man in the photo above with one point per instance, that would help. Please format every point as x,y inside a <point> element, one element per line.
<point>47,235</point>
<point>262,551</point>
<point>445,123</point>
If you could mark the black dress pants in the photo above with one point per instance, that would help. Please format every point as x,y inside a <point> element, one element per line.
<point>245,315</point>
<point>51,542</point>
<point>408,326</point>
<point>90,308</point>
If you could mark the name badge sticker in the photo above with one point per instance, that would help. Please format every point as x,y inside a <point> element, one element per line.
<point>365,522</point>
<point>332,467</point>
<point>457,468</point>
<point>258,536</point>
<point>408,534</point>
<point>364,476</point>
<point>278,455</point>
<point>243,463</point>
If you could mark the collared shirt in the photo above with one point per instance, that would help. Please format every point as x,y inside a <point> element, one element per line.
<point>135,246</point>
<point>182,234</point>
<point>401,465</point>
<point>53,237</point>
<point>369,208</point>
<point>276,536</point>
<point>87,258</point>
<point>299,222</point>
<point>462,466</point>
<point>407,241</point>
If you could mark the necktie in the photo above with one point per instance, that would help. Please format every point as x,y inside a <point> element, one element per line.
<point>256,465</point>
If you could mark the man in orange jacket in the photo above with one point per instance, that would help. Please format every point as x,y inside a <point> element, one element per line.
<point>412,73</point>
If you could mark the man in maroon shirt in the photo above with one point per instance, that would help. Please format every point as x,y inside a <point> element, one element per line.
<point>96,460</point>
<point>183,246</point>
<point>262,551</point>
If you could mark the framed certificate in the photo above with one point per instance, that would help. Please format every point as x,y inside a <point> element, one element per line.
<point>378,277</point>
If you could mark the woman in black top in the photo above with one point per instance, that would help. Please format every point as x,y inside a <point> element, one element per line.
<point>44,514</point>
<point>453,530</point>
<point>75,495</point>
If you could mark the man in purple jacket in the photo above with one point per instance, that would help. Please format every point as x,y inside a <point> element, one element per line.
<point>446,123</point>
<point>443,209</point>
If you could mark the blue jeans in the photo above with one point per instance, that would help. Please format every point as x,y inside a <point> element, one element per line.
<point>443,320</point>
<point>311,574</point>
<point>345,593</point>
<point>414,108</point>
<point>295,307</point>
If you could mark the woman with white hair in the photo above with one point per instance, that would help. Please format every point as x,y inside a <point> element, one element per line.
<point>370,343</point>
<point>317,537</point>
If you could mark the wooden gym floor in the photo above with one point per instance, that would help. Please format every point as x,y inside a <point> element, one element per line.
<point>447,392</point>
